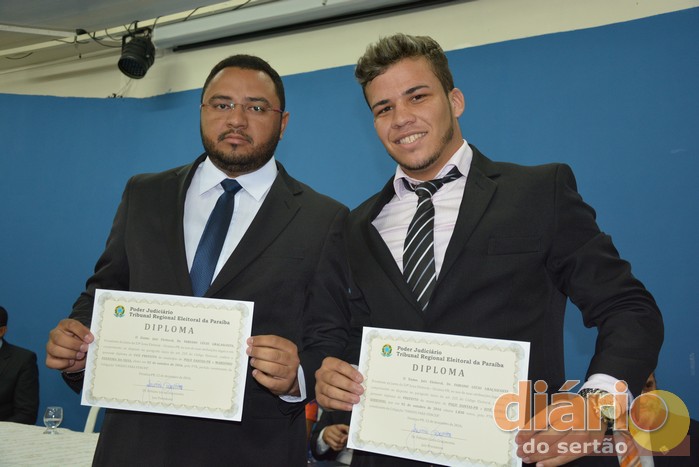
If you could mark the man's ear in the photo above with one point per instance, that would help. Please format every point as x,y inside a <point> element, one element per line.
<point>457,101</point>
<point>285,121</point>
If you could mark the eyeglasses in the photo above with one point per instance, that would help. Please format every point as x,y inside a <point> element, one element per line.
<point>221,108</point>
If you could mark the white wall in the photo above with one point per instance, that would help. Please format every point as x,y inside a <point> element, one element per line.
<point>456,26</point>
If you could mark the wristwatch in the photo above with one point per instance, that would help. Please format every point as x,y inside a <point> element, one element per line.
<point>603,403</point>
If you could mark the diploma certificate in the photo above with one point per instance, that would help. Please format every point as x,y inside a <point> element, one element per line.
<point>168,354</point>
<point>430,397</point>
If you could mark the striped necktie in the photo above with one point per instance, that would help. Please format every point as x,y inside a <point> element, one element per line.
<point>630,457</point>
<point>212,239</point>
<point>418,250</point>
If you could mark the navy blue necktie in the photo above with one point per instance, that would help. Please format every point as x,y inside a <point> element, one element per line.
<point>212,239</point>
<point>418,250</point>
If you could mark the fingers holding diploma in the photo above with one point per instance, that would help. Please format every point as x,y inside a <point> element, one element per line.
<point>338,385</point>
<point>276,362</point>
<point>67,346</point>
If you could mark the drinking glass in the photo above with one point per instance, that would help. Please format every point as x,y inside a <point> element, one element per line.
<point>53,416</point>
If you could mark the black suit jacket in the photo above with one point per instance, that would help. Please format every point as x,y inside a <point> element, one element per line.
<point>524,241</point>
<point>19,384</point>
<point>290,262</point>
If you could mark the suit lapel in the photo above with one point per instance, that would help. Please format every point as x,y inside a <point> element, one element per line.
<point>479,190</point>
<point>172,219</point>
<point>278,209</point>
<point>381,252</point>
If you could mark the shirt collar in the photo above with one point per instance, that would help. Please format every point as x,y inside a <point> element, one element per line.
<point>256,183</point>
<point>461,159</point>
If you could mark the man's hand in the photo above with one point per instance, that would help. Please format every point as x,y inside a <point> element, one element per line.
<point>335,436</point>
<point>338,385</point>
<point>67,346</point>
<point>276,363</point>
<point>553,447</point>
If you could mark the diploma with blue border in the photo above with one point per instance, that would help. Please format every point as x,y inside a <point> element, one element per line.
<point>168,354</point>
<point>430,397</point>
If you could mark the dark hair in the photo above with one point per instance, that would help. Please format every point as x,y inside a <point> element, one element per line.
<point>388,51</point>
<point>248,62</point>
<point>3,317</point>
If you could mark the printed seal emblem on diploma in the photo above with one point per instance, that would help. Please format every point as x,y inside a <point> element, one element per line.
<point>386,350</point>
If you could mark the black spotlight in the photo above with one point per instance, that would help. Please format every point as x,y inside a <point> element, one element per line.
<point>137,54</point>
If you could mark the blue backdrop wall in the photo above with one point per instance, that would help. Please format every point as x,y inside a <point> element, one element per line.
<point>619,103</point>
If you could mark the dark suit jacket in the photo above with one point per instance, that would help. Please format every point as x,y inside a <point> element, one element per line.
<point>524,241</point>
<point>19,385</point>
<point>326,419</point>
<point>290,263</point>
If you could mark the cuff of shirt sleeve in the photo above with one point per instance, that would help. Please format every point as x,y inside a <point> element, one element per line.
<point>604,382</point>
<point>302,389</point>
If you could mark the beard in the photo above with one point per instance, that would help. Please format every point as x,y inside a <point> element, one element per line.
<point>419,165</point>
<point>235,163</point>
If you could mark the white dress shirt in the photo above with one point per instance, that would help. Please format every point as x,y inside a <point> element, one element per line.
<point>202,195</point>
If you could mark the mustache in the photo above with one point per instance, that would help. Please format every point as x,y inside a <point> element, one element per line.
<point>223,136</point>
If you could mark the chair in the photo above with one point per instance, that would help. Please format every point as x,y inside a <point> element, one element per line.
<point>91,419</point>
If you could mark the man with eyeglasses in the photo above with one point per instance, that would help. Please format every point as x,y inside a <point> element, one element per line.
<point>283,251</point>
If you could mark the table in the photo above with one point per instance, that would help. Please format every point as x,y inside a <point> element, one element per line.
<point>27,445</point>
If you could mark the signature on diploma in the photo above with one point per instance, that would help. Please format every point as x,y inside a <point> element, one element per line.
<point>427,434</point>
<point>165,385</point>
<point>160,391</point>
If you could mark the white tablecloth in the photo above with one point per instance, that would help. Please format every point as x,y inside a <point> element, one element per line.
<point>27,445</point>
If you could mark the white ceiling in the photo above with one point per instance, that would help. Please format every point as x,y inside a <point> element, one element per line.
<point>38,32</point>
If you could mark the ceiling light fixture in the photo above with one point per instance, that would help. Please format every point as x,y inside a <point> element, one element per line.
<point>137,53</point>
